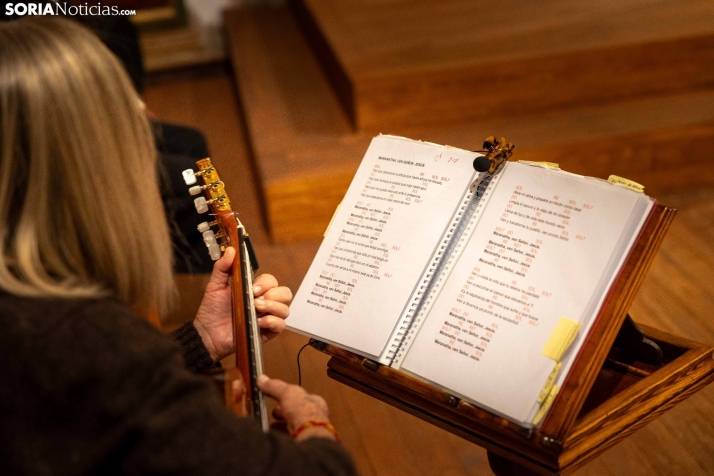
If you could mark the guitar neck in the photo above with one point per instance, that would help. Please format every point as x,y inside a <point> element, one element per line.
<point>249,356</point>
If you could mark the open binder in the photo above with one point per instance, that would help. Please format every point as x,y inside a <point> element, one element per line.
<point>567,433</point>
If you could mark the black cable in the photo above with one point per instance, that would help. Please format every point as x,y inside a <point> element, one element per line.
<point>298,364</point>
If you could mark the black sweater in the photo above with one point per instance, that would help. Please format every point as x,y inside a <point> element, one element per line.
<point>89,388</point>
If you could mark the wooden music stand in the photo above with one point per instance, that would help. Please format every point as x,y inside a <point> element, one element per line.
<point>623,378</point>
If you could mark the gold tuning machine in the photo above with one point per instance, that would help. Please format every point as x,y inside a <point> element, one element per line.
<point>189,176</point>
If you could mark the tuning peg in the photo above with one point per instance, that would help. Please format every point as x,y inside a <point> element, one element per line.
<point>209,238</point>
<point>203,227</point>
<point>189,177</point>
<point>201,204</point>
<point>196,189</point>
<point>214,251</point>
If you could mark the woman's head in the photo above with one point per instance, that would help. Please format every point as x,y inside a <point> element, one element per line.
<point>80,211</point>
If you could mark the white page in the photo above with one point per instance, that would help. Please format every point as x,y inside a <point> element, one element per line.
<point>538,253</point>
<point>627,242</point>
<point>393,215</point>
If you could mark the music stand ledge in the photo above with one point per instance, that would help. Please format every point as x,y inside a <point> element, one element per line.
<point>627,394</point>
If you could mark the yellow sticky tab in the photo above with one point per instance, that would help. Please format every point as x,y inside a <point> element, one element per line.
<point>543,410</point>
<point>627,183</point>
<point>550,164</point>
<point>549,382</point>
<point>332,219</point>
<point>563,335</point>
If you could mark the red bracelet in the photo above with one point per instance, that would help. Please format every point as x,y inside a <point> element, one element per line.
<point>313,423</point>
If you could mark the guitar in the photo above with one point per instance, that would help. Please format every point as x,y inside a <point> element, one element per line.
<point>231,232</point>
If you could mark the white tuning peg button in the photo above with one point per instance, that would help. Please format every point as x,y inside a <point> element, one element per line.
<point>189,177</point>
<point>195,190</point>
<point>209,237</point>
<point>214,251</point>
<point>203,227</point>
<point>201,205</point>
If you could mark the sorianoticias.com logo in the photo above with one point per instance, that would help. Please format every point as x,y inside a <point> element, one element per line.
<point>64,9</point>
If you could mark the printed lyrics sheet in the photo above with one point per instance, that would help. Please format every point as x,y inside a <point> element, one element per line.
<point>538,253</point>
<point>391,219</point>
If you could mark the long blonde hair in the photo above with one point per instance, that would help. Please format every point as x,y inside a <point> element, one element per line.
<point>80,210</point>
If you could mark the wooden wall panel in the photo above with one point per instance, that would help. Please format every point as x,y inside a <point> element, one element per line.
<point>415,62</point>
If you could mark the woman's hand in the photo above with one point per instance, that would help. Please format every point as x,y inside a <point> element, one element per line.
<point>271,303</point>
<point>297,407</point>
<point>214,319</point>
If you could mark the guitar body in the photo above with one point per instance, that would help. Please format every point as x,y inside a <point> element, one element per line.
<point>246,333</point>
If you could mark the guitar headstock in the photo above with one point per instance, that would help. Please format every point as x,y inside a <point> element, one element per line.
<point>216,199</point>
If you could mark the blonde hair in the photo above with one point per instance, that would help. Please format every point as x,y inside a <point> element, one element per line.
<point>80,210</point>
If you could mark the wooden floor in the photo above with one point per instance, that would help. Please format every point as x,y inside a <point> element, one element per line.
<point>306,151</point>
<point>678,296</point>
